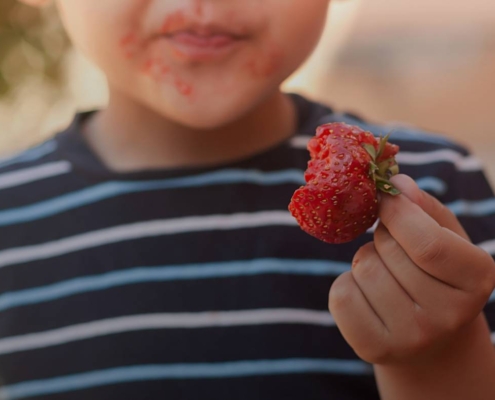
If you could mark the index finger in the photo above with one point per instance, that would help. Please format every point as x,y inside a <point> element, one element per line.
<point>435,249</point>
<point>432,206</point>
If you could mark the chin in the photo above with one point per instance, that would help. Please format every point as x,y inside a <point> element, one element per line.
<point>211,116</point>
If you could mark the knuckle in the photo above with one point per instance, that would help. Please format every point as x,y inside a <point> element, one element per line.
<point>485,291</point>
<point>456,318</point>
<point>462,309</point>
<point>430,249</point>
<point>419,341</point>
<point>422,335</point>
<point>488,282</point>
<point>377,351</point>
<point>435,204</point>
<point>482,283</point>
<point>386,244</point>
<point>390,215</point>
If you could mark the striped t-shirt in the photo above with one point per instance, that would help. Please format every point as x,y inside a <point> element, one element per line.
<point>190,283</point>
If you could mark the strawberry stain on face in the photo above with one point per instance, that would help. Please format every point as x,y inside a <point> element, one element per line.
<point>267,64</point>
<point>155,68</point>
<point>154,65</point>
<point>198,8</point>
<point>129,45</point>
<point>173,22</point>
<point>182,87</point>
<point>158,71</point>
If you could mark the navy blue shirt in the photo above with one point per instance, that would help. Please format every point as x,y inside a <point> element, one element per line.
<point>190,283</point>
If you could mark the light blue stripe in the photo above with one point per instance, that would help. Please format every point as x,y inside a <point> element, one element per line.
<point>236,369</point>
<point>399,132</point>
<point>31,155</point>
<point>435,185</point>
<point>169,273</point>
<point>469,208</point>
<point>492,297</point>
<point>115,188</point>
<point>473,208</point>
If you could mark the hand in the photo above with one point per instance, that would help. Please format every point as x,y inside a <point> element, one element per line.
<point>416,286</point>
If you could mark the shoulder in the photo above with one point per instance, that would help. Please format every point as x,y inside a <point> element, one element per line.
<point>439,164</point>
<point>32,156</point>
<point>25,174</point>
<point>417,146</point>
<point>411,138</point>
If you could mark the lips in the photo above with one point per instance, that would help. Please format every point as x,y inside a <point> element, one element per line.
<point>202,44</point>
<point>194,39</point>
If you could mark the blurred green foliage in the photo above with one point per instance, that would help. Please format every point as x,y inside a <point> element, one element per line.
<point>32,43</point>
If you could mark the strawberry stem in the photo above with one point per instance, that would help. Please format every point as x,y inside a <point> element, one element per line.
<point>383,143</point>
<point>370,149</point>
<point>385,169</point>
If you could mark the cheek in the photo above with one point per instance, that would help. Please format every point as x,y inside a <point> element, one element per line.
<point>267,62</point>
<point>129,45</point>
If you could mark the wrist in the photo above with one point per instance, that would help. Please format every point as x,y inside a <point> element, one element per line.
<point>451,371</point>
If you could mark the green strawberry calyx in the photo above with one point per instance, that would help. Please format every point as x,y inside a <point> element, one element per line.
<point>382,171</point>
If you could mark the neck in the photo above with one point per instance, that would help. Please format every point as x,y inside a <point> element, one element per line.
<point>128,136</point>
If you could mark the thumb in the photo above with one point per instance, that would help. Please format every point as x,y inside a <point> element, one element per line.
<point>429,204</point>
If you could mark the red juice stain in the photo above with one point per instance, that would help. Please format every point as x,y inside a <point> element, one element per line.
<point>184,88</point>
<point>198,8</point>
<point>155,68</point>
<point>174,21</point>
<point>267,64</point>
<point>148,66</point>
<point>128,39</point>
<point>129,45</point>
<point>179,54</point>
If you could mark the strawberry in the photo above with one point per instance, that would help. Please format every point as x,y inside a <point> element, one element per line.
<point>347,166</point>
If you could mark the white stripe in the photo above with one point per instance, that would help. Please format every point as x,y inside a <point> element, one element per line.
<point>17,178</point>
<point>300,142</point>
<point>462,163</point>
<point>488,246</point>
<point>141,230</point>
<point>493,337</point>
<point>164,321</point>
<point>373,228</point>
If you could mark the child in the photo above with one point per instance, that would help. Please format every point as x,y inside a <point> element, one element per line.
<point>147,251</point>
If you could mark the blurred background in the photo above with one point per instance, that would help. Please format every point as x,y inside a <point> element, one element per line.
<point>428,63</point>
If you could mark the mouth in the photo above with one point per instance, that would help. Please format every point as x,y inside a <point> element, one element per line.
<point>202,46</point>
<point>200,41</point>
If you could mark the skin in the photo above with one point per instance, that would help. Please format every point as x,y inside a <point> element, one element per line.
<point>412,304</point>
<point>168,111</point>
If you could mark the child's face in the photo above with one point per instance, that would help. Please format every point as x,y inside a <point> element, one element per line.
<point>200,63</point>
